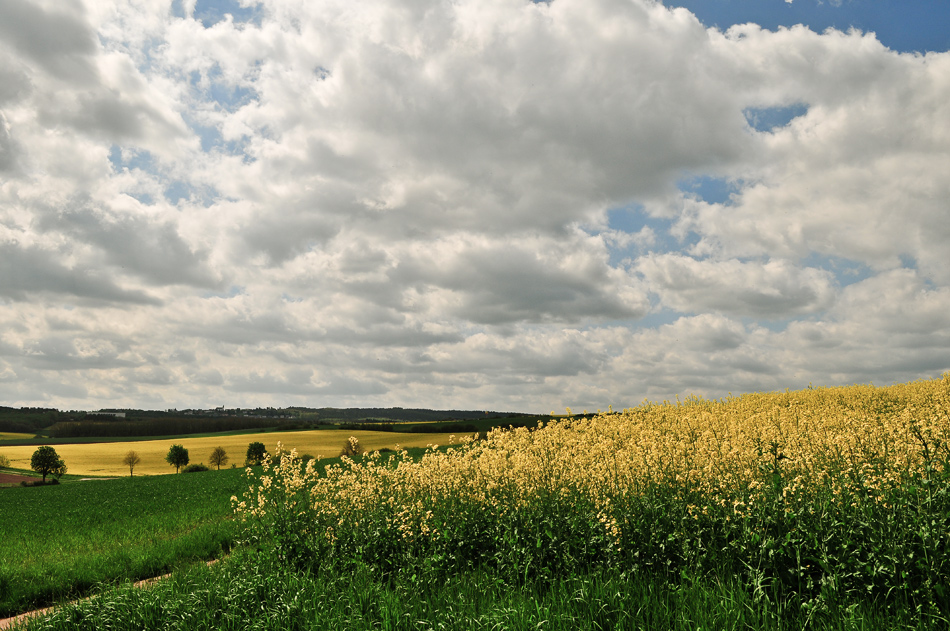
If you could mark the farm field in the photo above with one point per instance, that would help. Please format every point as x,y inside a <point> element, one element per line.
<point>60,541</point>
<point>14,436</point>
<point>105,459</point>
<point>826,508</point>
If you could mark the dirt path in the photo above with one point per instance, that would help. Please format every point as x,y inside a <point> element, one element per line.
<point>6,623</point>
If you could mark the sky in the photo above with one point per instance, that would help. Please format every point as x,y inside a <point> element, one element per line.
<point>469,204</point>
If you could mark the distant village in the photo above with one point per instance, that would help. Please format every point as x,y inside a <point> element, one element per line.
<point>214,412</point>
<point>222,411</point>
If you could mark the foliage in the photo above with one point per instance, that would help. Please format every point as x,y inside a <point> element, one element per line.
<point>256,453</point>
<point>46,461</point>
<point>195,468</point>
<point>130,460</point>
<point>4,462</point>
<point>812,500</point>
<point>177,457</point>
<point>218,457</point>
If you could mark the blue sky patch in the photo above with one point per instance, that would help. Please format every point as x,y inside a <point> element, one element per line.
<point>225,95</point>
<point>908,262</point>
<point>231,97</point>
<point>901,25</point>
<point>177,191</point>
<point>210,12</point>
<point>212,140</point>
<point>233,291</point>
<point>210,136</point>
<point>766,119</point>
<point>632,219</point>
<point>846,271</point>
<point>130,159</point>
<point>712,190</point>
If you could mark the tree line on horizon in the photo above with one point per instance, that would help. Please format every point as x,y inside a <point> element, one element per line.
<point>75,424</point>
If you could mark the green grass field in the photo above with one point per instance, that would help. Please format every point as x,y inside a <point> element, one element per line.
<point>5,436</point>
<point>64,541</point>
<point>105,458</point>
<point>61,541</point>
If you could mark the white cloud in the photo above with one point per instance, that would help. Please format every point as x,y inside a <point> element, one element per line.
<point>382,203</point>
<point>775,289</point>
<point>858,176</point>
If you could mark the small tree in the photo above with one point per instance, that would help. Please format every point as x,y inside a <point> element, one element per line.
<point>177,457</point>
<point>46,461</point>
<point>130,460</point>
<point>218,457</point>
<point>256,452</point>
<point>4,462</point>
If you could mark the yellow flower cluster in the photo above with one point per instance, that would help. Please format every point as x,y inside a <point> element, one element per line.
<point>729,450</point>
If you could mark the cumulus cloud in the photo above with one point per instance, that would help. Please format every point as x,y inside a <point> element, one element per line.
<point>58,40</point>
<point>857,176</point>
<point>404,203</point>
<point>7,148</point>
<point>152,250</point>
<point>28,271</point>
<point>774,289</point>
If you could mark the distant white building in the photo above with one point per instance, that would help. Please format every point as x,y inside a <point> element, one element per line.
<point>115,414</point>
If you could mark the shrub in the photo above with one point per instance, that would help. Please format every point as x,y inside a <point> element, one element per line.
<point>195,468</point>
<point>4,462</point>
<point>39,483</point>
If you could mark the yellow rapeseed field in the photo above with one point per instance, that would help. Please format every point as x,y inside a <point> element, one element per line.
<point>105,459</point>
<point>727,450</point>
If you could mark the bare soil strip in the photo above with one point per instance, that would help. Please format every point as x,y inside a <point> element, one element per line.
<point>12,478</point>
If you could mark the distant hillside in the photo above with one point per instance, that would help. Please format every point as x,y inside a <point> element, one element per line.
<point>32,420</point>
<point>57,424</point>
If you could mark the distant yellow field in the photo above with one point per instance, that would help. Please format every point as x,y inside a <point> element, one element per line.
<point>14,436</point>
<point>105,459</point>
